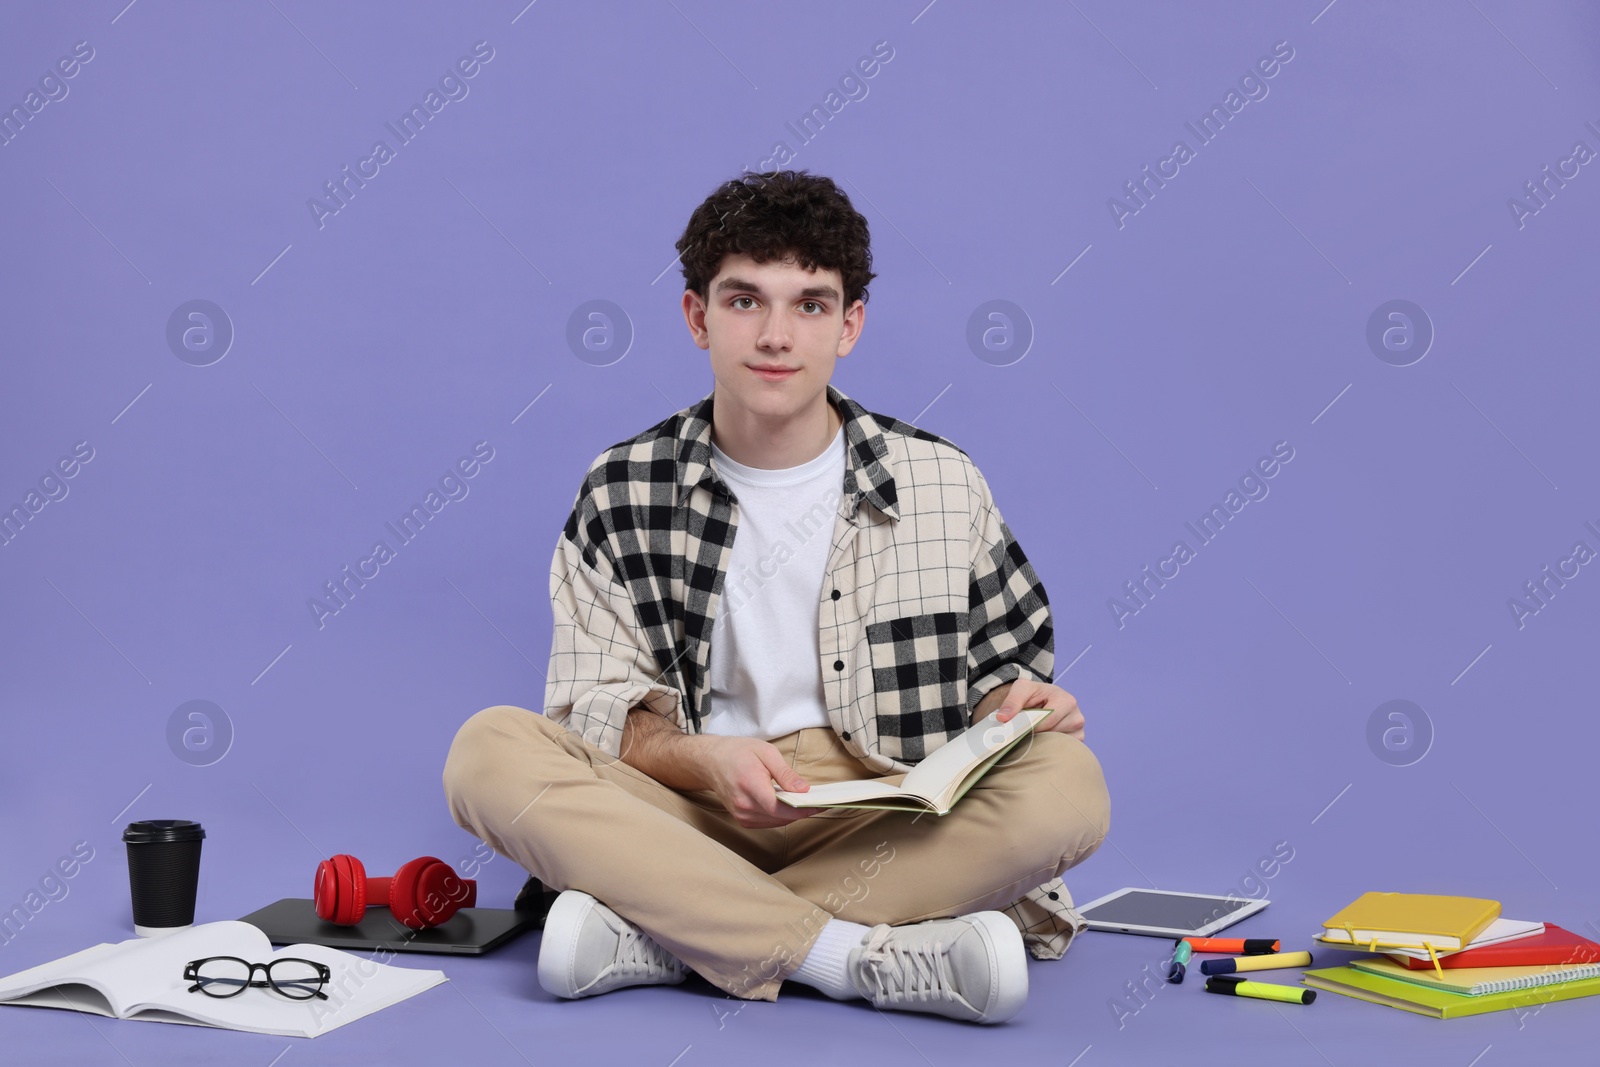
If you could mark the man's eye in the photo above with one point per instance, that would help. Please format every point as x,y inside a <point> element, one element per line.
<point>739,298</point>
<point>813,303</point>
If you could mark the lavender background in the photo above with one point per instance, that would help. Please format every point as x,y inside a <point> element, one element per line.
<point>1243,708</point>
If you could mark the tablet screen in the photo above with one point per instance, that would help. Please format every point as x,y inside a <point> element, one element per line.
<point>1143,908</point>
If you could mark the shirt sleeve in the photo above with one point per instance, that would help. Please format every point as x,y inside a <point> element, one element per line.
<point>1008,615</point>
<point>601,666</point>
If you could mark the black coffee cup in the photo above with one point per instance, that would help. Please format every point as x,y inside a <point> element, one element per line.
<point>163,873</point>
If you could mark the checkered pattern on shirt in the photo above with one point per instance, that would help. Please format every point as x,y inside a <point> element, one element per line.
<point>919,659</point>
<point>1048,920</point>
<point>937,603</point>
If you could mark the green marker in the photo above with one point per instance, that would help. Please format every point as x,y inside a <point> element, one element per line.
<point>1238,987</point>
<point>1179,958</point>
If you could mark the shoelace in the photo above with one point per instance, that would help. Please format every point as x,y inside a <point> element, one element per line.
<point>917,970</point>
<point>638,953</point>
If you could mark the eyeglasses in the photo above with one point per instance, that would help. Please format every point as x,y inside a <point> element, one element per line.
<point>228,976</point>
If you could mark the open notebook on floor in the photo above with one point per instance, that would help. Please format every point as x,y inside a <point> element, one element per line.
<point>143,979</point>
<point>936,783</point>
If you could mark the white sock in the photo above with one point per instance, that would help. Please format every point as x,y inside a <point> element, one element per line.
<point>824,965</point>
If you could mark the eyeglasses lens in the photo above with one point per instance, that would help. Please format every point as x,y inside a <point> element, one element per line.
<point>294,978</point>
<point>223,977</point>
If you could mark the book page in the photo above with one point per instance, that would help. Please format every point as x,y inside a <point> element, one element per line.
<point>74,996</point>
<point>15,986</point>
<point>128,971</point>
<point>1501,930</point>
<point>937,776</point>
<point>898,802</point>
<point>1387,939</point>
<point>152,966</point>
<point>826,793</point>
<point>959,789</point>
<point>936,779</point>
<point>357,988</point>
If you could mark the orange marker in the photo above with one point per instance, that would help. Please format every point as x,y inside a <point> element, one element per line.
<point>1234,946</point>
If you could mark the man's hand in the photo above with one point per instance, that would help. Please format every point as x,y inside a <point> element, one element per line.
<point>741,770</point>
<point>1064,717</point>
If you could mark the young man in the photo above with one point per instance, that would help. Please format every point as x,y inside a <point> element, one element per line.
<point>771,588</point>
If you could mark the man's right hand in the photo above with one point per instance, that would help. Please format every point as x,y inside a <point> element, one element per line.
<point>741,771</point>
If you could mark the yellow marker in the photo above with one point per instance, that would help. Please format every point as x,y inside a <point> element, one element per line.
<point>1269,962</point>
<point>1239,987</point>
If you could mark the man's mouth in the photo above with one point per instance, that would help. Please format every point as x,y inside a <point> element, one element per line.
<point>776,374</point>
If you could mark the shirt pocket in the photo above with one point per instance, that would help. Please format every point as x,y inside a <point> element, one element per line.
<point>919,681</point>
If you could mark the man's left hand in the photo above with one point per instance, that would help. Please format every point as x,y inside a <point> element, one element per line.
<point>1065,716</point>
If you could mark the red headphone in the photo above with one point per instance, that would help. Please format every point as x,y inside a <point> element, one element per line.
<point>423,893</point>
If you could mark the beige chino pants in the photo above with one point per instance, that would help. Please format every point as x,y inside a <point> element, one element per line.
<point>741,907</point>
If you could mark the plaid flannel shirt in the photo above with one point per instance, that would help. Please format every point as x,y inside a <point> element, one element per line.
<point>927,604</point>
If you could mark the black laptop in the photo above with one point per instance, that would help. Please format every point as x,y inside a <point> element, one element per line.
<point>469,932</point>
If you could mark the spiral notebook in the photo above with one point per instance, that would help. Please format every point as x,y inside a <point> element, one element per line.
<point>1439,1003</point>
<point>1477,981</point>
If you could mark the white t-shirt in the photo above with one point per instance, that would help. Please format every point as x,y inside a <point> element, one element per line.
<point>766,676</point>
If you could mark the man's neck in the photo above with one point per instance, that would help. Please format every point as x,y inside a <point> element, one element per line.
<point>774,445</point>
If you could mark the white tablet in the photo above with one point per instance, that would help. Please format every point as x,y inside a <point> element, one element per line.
<point>1166,913</point>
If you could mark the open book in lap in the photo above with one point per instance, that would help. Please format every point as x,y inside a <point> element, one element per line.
<point>143,979</point>
<point>936,783</point>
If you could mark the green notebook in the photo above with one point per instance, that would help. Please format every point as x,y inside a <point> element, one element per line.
<point>1438,1003</point>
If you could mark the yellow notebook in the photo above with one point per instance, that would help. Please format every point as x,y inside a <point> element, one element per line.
<point>1477,981</point>
<point>1410,920</point>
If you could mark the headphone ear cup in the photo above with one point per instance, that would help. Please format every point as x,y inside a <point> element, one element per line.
<point>350,890</point>
<point>403,893</point>
<point>420,896</point>
<point>438,893</point>
<point>323,891</point>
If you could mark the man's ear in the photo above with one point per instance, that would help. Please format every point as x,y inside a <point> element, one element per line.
<point>855,320</point>
<point>694,316</point>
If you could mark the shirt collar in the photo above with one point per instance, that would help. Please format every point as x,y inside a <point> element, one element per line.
<point>868,469</point>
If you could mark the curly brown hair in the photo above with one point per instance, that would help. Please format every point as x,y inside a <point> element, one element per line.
<point>773,216</point>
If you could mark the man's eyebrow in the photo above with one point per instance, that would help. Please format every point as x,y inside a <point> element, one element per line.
<point>735,284</point>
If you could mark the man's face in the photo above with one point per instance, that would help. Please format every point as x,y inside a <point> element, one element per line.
<point>773,317</point>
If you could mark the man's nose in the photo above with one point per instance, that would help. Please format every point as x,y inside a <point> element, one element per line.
<point>775,332</point>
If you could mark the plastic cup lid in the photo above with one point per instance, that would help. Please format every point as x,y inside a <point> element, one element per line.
<point>162,831</point>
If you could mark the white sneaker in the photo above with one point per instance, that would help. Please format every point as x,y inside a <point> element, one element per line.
<point>972,967</point>
<point>589,949</point>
